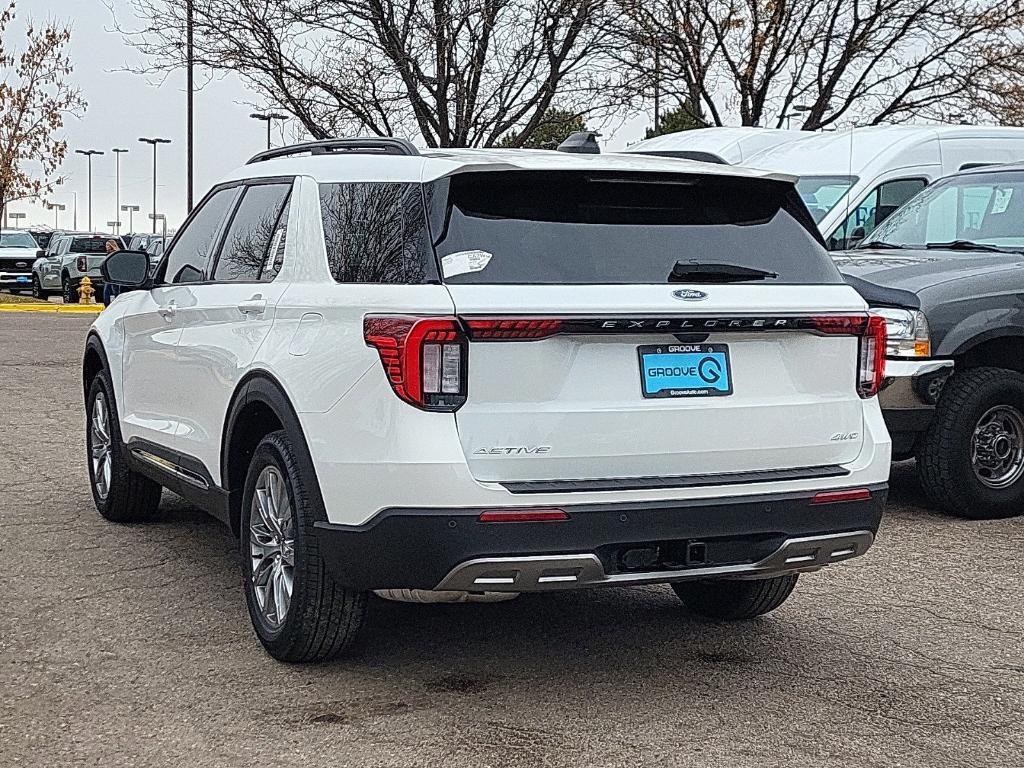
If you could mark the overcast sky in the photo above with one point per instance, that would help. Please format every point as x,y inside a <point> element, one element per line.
<point>123,107</point>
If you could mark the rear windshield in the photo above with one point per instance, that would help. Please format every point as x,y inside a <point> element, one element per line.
<point>583,228</point>
<point>89,245</point>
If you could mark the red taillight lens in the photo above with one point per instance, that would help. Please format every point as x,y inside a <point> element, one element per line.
<point>424,358</point>
<point>838,497</point>
<point>871,369</point>
<point>82,264</point>
<point>495,328</point>
<point>523,516</point>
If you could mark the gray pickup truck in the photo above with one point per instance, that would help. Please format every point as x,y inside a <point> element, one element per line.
<point>68,259</point>
<point>946,271</point>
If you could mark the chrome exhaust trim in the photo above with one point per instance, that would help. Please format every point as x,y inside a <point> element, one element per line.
<point>540,573</point>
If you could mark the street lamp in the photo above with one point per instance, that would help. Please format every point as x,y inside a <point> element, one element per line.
<point>154,142</point>
<point>89,153</point>
<point>267,117</point>
<point>56,208</point>
<point>117,184</point>
<point>132,210</point>
<point>113,226</point>
<point>159,217</point>
<point>16,217</point>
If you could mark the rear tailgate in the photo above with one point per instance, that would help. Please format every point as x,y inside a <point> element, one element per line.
<point>89,252</point>
<point>572,406</point>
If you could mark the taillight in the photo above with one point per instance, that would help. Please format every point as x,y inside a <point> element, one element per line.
<point>83,265</point>
<point>871,369</point>
<point>495,328</point>
<point>424,358</point>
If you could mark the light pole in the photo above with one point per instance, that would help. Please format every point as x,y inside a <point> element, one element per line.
<point>154,142</point>
<point>159,217</point>
<point>113,226</point>
<point>189,66</point>
<point>17,217</point>
<point>132,210</point>
<point>89,153</point>
<point>56,208</point>
<point>117,185</point>
<point>267,117</point>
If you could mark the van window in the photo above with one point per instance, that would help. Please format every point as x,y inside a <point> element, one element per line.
<point>880,204</point>
<point>821,193</point>
<point>376,233</point>
<point>571,227</point>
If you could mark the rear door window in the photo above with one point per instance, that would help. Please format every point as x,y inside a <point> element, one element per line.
<point>244,255</point>
<point>538,227</point>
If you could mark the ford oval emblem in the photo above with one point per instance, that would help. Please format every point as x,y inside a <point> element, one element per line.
<point>21,264</point>
<point>689,294</point>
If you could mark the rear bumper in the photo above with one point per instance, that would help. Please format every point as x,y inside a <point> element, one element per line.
<point>748,536</point>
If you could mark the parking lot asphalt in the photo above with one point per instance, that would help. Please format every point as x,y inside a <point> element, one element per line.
<point>131,645</point>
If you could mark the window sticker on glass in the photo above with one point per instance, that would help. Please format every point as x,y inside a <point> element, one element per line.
<point>462,262</point>
<point>1001,200</point>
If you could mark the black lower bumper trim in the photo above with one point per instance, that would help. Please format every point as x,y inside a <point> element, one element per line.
<point>416,548</point>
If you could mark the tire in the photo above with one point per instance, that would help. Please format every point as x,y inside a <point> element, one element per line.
<point>37,289</point>
<point>735,599</point>
<point>68,291</point>
<point>952,478</point>
<point>320,619</point>
<point>121,495</point>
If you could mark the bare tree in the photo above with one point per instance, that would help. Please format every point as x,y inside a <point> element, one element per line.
<point>461,73</point>
<point>871,61</point>
<point>35,96</point>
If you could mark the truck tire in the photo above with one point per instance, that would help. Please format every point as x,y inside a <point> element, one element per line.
<point>971,459</point>
<point>68,291</point>
<point>298,612</point>
<point>38,292</point>
<point>735,599</point>
<point>121,495</point>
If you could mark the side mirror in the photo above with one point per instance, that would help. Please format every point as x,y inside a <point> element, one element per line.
<point>129,269</point>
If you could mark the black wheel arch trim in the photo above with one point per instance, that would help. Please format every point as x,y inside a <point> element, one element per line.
<point>990,334</point>
<point>261,386</point>
<point>94,344</point>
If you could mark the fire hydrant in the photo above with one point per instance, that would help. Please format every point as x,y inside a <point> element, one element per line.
<point>86,292</point>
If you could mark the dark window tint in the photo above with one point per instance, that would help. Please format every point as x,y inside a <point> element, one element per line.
<point>879,205</point>
<point>247,244</point>
<point>89,245</point>
<point>376,233</point>
<point>575,227</point>
<point>188,259</point>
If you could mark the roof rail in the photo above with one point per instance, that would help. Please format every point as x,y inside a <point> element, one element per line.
<point>383,145</point>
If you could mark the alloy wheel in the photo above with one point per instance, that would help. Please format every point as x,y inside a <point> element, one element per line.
<point>997,447</point>
<point>272,545</point>
<point>100,445</point>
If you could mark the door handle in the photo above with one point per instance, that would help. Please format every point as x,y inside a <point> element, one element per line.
<point>167,311</point>
<point>254,306</point>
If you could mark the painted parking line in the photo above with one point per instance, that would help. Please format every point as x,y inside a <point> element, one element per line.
<point>49,307</point>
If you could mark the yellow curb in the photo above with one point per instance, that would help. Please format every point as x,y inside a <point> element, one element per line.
<point>49,307</point>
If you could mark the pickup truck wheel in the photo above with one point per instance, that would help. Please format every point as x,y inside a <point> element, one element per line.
<point>68,291</point>
<point>735,599</point>
<point>121,495</point>
<point>37,289</point>
<point>971,459</point>
<point>297,610</point>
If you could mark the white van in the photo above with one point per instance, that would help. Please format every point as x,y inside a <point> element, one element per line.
<point>853,180</point>
<point>733,146</point>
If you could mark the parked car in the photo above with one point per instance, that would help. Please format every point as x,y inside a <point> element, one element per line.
<point>945,271</point>
<point>72,257</point>
<point>17,250</point>
<point>733,145</point>
<point>154,245</point>
<point>493,371</point>
<point>853,180</point>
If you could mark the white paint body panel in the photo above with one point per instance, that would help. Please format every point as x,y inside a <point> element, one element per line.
<point>174,377</point>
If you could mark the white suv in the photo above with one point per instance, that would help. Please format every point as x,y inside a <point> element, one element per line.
<point>493,371</point>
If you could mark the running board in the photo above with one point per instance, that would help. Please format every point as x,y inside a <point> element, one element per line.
<point>539,573</point>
